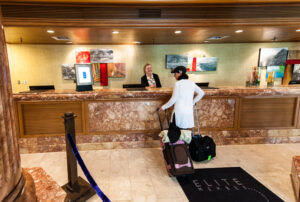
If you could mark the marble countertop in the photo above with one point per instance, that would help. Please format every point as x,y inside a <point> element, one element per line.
<point>97,94</point>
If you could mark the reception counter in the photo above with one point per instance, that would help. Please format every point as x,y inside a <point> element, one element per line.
<point>117,118</point>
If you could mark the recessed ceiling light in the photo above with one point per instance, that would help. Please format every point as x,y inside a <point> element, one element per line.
<point>115,32</point>
<point>239,31</point>
<point>178,32</point>
<point>50,31</point>
<point>297,30</point>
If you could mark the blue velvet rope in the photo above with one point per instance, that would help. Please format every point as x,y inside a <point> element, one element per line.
<point>85,170</point>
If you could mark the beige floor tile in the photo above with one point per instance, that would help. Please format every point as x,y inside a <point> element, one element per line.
<point>140,174</point>
<point>119,189</point>
<point>142,191</point>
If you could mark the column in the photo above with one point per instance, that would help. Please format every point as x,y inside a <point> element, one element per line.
<point>12,182</point>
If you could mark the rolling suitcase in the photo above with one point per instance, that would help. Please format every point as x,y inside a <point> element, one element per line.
<point>177,158</point>
<point>201,147</point>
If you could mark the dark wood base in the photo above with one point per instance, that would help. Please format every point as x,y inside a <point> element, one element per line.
<point>84,193</point>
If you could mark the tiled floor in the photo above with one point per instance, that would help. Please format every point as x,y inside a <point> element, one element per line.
<point>140,175</point>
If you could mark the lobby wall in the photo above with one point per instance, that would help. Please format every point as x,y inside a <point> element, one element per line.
<point>41,64</point>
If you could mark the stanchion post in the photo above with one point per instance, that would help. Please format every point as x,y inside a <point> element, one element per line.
<point>77,189</point>
<point>71,160</point>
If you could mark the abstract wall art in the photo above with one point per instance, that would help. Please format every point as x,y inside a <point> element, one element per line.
<point>173,61</point>
<point>116,70</point>
<point>206,64</point>
<point>102,56</point>
<point>68,72</point>
<point>202,64</point>
<point>272,57</point>
<point>96,72</point>
<point>82,57</point>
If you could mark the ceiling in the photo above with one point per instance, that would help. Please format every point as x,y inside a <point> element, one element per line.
<point>151,24</point>
<point>154,1</point>
<point>189,35</point>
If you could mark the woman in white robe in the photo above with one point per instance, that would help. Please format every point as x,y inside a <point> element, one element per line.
<point>183,98</point>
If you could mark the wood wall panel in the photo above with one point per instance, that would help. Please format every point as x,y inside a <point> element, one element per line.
<point>167,12</point>
<point>46,118</point>
<point>145,2</point>
<point>268,112</point>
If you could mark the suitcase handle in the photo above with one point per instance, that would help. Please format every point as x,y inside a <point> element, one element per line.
<point>160,121</point>
<point>197,117</point>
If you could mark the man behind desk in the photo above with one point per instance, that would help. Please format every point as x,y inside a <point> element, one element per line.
<point>150,79</point>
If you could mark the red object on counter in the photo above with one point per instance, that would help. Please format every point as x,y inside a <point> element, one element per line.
<point>103,74</point>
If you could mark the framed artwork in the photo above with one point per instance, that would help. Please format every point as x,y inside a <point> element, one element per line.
<point>296,72</point>
<point>206,64</point>
<point>272,57</point>
<point>294,54</point>
<point>202,64</point>
<point>102,56</point>
<point>116,70</point>
<point>279,71</point>
<point>192,63</point>
<point>96,72</point>
<point>173,61</point>
<point>68,72</point>
<point>84,75</point>
<point>83,57</point>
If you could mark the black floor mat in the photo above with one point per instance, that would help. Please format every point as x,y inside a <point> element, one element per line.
<point>224,184</point>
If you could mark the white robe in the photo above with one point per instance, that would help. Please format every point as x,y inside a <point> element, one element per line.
<point>183,98</point>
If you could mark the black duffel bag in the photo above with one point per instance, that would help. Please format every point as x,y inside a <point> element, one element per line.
<point>202,148</point>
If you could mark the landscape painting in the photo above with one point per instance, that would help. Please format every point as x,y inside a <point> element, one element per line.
<point>102,56</point>
<point>116,70</point>
<point>272,57</point>
<point>68,72</point>
<point>206,64</point>
<point>173,61</point>
<point>279,71</point>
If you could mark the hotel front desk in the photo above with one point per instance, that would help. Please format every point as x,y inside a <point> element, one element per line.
<point>117,118</point>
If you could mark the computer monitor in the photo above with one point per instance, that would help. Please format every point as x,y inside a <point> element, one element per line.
<point>46,87</point>
<point>203,84</point>
<point>84,77</point>
<point>134,87</point>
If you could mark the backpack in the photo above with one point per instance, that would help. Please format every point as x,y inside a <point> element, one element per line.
<point>202,148</point>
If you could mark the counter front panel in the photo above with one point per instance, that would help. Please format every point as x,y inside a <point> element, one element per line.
<point>116,118</point>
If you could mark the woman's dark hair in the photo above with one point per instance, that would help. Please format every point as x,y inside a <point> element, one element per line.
<point>183,76</point>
